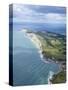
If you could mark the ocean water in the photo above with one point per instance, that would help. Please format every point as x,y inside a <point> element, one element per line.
<point>28,66</point>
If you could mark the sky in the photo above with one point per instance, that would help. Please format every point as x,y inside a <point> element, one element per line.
<point>38,14</point>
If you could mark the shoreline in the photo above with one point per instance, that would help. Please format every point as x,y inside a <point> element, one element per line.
<point>38,44</point>
<point>50,77</point>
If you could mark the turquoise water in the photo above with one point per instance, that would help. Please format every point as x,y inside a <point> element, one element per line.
<point>28,67</point>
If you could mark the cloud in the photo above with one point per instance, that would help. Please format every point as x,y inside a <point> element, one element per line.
<point>22,13</point>
<point>55,18</point>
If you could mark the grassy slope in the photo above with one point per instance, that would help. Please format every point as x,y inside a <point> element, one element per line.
<point>59,78</point>
<point>53,46</point>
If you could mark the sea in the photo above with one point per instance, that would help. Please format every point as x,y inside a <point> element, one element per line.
<point>28,66</point>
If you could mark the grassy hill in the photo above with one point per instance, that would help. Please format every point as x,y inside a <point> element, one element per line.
<point>59,78</point>
<point>53,45</point>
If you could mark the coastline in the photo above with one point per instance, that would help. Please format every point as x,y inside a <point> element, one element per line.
<point>33,37</point>
<point>38,45</point>
<point>35,40</point>
<point>50,77</point>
